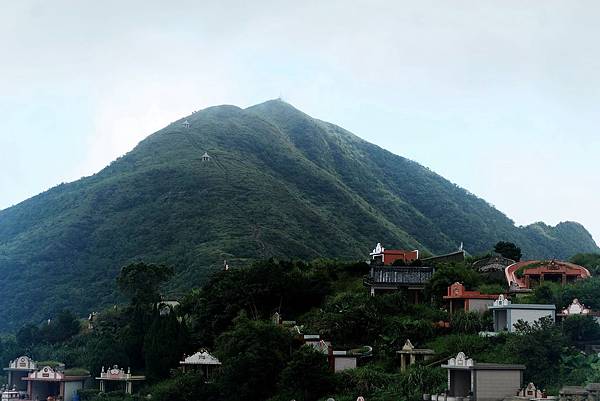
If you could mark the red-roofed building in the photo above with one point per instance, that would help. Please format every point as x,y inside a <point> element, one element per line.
<point>469,301</point>
<point>389,256</point>
<point>528,274</point>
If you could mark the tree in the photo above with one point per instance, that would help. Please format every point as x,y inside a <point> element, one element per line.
<point>104,350</point>
<point>508,250</point>
<point>470,322</point>
<point>141,282</point>
<point>581,328</point>
<point>589,260</point>
<point>253,354</point>
<point>163,346</point>
<point>60,329</point>
<point>307,376</point>
<point>539,346</point>
<point>28,336</point>
<point>189,386</point>
<point>586,291</point>
<point>291,288</point>
<point>447,275</point>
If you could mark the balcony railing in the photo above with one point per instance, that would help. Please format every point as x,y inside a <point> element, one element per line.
<point>398,275</point>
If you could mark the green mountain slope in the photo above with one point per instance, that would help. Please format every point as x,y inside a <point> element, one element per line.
<point>279,183</point>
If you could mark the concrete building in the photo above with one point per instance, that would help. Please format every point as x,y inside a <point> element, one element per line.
<point>17,370</point>
<point>48,382</point>
<point>507,314</point>
<point>459,299</point>
<point>468,380</point>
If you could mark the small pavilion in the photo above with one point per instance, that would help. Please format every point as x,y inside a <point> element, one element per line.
<point>409,355</point>
<point>17,370</point>
<point>118,375</point>
<point>201,361</point>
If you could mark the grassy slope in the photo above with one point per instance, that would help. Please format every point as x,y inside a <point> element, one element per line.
<point>279,184</point>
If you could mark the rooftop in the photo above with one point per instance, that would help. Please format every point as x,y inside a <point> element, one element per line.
<point>200,358</point>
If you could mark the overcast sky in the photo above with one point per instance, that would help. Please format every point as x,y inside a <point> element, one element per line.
<point>501,97</point>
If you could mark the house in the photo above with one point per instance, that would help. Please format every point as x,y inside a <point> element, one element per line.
<point>119,376</point>
<point>468,380</point>
<point>201,361</point>
<point>507,314</point>
<point>526,275</point>
<point>17,370</point>
<point>459,299</point>
<point>387,257</point>
<point>55,382</point>
<point>409,355</point>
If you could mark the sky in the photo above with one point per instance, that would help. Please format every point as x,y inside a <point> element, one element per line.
<point>501,97</point>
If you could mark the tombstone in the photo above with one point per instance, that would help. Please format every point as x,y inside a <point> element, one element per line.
<point>576,308</point>
<point>573,393</point>
<point>531,392</point>
<point>501,301</point>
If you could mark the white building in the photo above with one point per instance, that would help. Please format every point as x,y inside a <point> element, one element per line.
<point>507,314</point>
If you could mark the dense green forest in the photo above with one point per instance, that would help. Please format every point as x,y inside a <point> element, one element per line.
<point>278,184</point>
<point>231,315</point>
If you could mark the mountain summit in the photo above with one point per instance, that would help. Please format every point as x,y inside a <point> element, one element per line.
<point>235,184</point>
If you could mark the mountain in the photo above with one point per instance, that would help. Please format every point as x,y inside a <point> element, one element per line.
<point>277,183</point>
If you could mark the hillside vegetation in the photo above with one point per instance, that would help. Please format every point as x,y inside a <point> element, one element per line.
<point>279,184</point>
<point>232,316</point>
